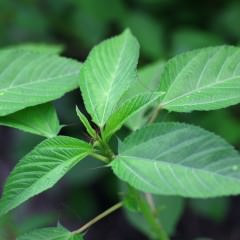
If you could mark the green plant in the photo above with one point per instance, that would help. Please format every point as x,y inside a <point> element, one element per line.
<point>166,158</point>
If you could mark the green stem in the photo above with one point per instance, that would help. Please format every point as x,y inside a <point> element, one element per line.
<point>98,218</point>
<point>106,150</point>
<point>147,204</point>
<point>150,201</point>
<point>100,157</point>
<point>149,212</point>
<point>154,115</point>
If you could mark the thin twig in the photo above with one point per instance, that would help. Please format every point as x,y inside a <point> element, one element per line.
<point>98,218</point>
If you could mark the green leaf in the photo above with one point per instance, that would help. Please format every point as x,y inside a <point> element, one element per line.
<point>52,233</point>
<point>215,209</point>
<point>224,21</point>
<point>169,212</point>
<point>35,221</point>
<point>40,169</point>
<point>98,11</point>
<point>41,120</point>
<point>126,110</point>
<point>30,78</point>
<point>147,82</point>
<point>107,73</point>
<point>178,159</point>
<point>227,124</point>
<point>86,123</point>
<point>204,79</point>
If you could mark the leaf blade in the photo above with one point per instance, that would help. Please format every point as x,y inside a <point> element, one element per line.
<point>126,110</point>
<point>41,120</point>
<point>204,79</point>
<point>107,73</point>
<point>178,159</point>
<point>86,123</point>
<point>148,81</point>
<point>40,169</point>
<point>51,233</point>
<point>29,78</point>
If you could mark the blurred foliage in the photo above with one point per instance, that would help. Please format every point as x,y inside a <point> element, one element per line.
<point>168,210</point>
<point>164,28</point>
<point>12,226</point>
<point>215,209</point>
<point>188,39</point>
<point>151,41</point>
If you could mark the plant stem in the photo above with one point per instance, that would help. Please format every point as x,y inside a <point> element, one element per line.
<point>154,115</point>
<point>150,201</point>
<point>148,207</point>
<point>98,218</point>
<point>100,157</point>
<point>106,150</point>
<point>150,213</point>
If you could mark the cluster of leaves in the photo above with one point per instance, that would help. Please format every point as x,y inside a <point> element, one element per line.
<point>163,158</point>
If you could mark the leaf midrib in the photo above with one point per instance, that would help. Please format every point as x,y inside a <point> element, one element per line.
<point>116,69</point>
<point>163,104</point>
<point>180,72</point>
<point>144,141</point>
<point>147,160</point>
<point>198,82</point>
<point>21,195</point>
<point>39,81</point>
